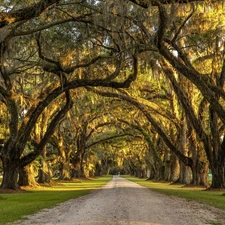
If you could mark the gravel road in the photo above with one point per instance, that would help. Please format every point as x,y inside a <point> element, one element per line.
<point>124,202</point>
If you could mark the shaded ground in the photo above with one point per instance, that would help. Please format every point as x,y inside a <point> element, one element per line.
<point>10,191</point>
<point>124,202</point>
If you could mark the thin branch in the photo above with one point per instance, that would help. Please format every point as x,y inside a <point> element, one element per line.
<point>148,3</point>
<point>52,24</point>
<point>182,25</point>
<point>45,58</point>
<point>108,139</point>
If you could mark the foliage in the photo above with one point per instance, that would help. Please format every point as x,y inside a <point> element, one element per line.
<point>53,48</point>
<point>173,109</point>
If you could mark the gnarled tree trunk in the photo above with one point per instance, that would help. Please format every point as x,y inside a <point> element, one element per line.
<point>11,169</point>
<point>27,176</point>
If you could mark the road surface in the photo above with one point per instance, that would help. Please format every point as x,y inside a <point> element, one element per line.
<point>124,202</point>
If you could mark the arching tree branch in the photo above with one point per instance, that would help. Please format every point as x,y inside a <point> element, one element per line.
<point>25,13</point>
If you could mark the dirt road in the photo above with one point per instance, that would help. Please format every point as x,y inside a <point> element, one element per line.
<point>124,202</point>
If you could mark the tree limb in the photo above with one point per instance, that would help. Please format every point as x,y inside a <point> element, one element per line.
<point>25,13</point>
<point>51,128</point>
<point>36,112</point>
<point>147,3</point>
<point>186,160</point>
<point>194,76</point>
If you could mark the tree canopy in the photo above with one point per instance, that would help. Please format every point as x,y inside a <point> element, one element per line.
<point>159,63</point>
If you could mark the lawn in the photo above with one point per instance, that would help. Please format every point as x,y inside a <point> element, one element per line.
<point>18,205</point>
<point>213,198</point>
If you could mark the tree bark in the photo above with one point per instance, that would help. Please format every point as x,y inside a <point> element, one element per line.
<point>98,169</point>
<point>184,177</point>
<point>44,173</point>
<point>218,176</point>
<point>25,13</point>
<point>148,3</point>
<point>27,176</point>
<point>182,144</point>
<point>167,163</point>
<point>77,163</point>
<point>11,173</point>
<point>175,168</point>
<point>64,154</point>
<point>65,170</point>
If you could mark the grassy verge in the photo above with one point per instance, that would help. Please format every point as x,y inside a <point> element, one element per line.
<point>213,198</point>
<point>16,206</point>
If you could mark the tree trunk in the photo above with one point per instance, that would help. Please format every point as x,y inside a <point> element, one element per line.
<point>76,171</point>
<point>151,173</point>
<point>204,169</point>
<point>200,173</point>
<point>218,167</point>
<point>144,173</point>
<point>65,170</point>
<point>167,163</point>
<point>64,155</point>
<point>175,168</point>
<point>44,174</point>
<point>98,169</point>
<point>77,161</point>
<point>11,173</point>
<point>83,165</point>
<point>83,172</point>
<point>27,176</point>
<point>218,176</point>
<point>184,174</point>
<point>184,170</point>
<point>160,173</point>
<point>199,166</point>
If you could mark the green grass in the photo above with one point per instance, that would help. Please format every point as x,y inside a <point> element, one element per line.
<point>17,206</point>
<point>215,223</point>
<point>212,198</point>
